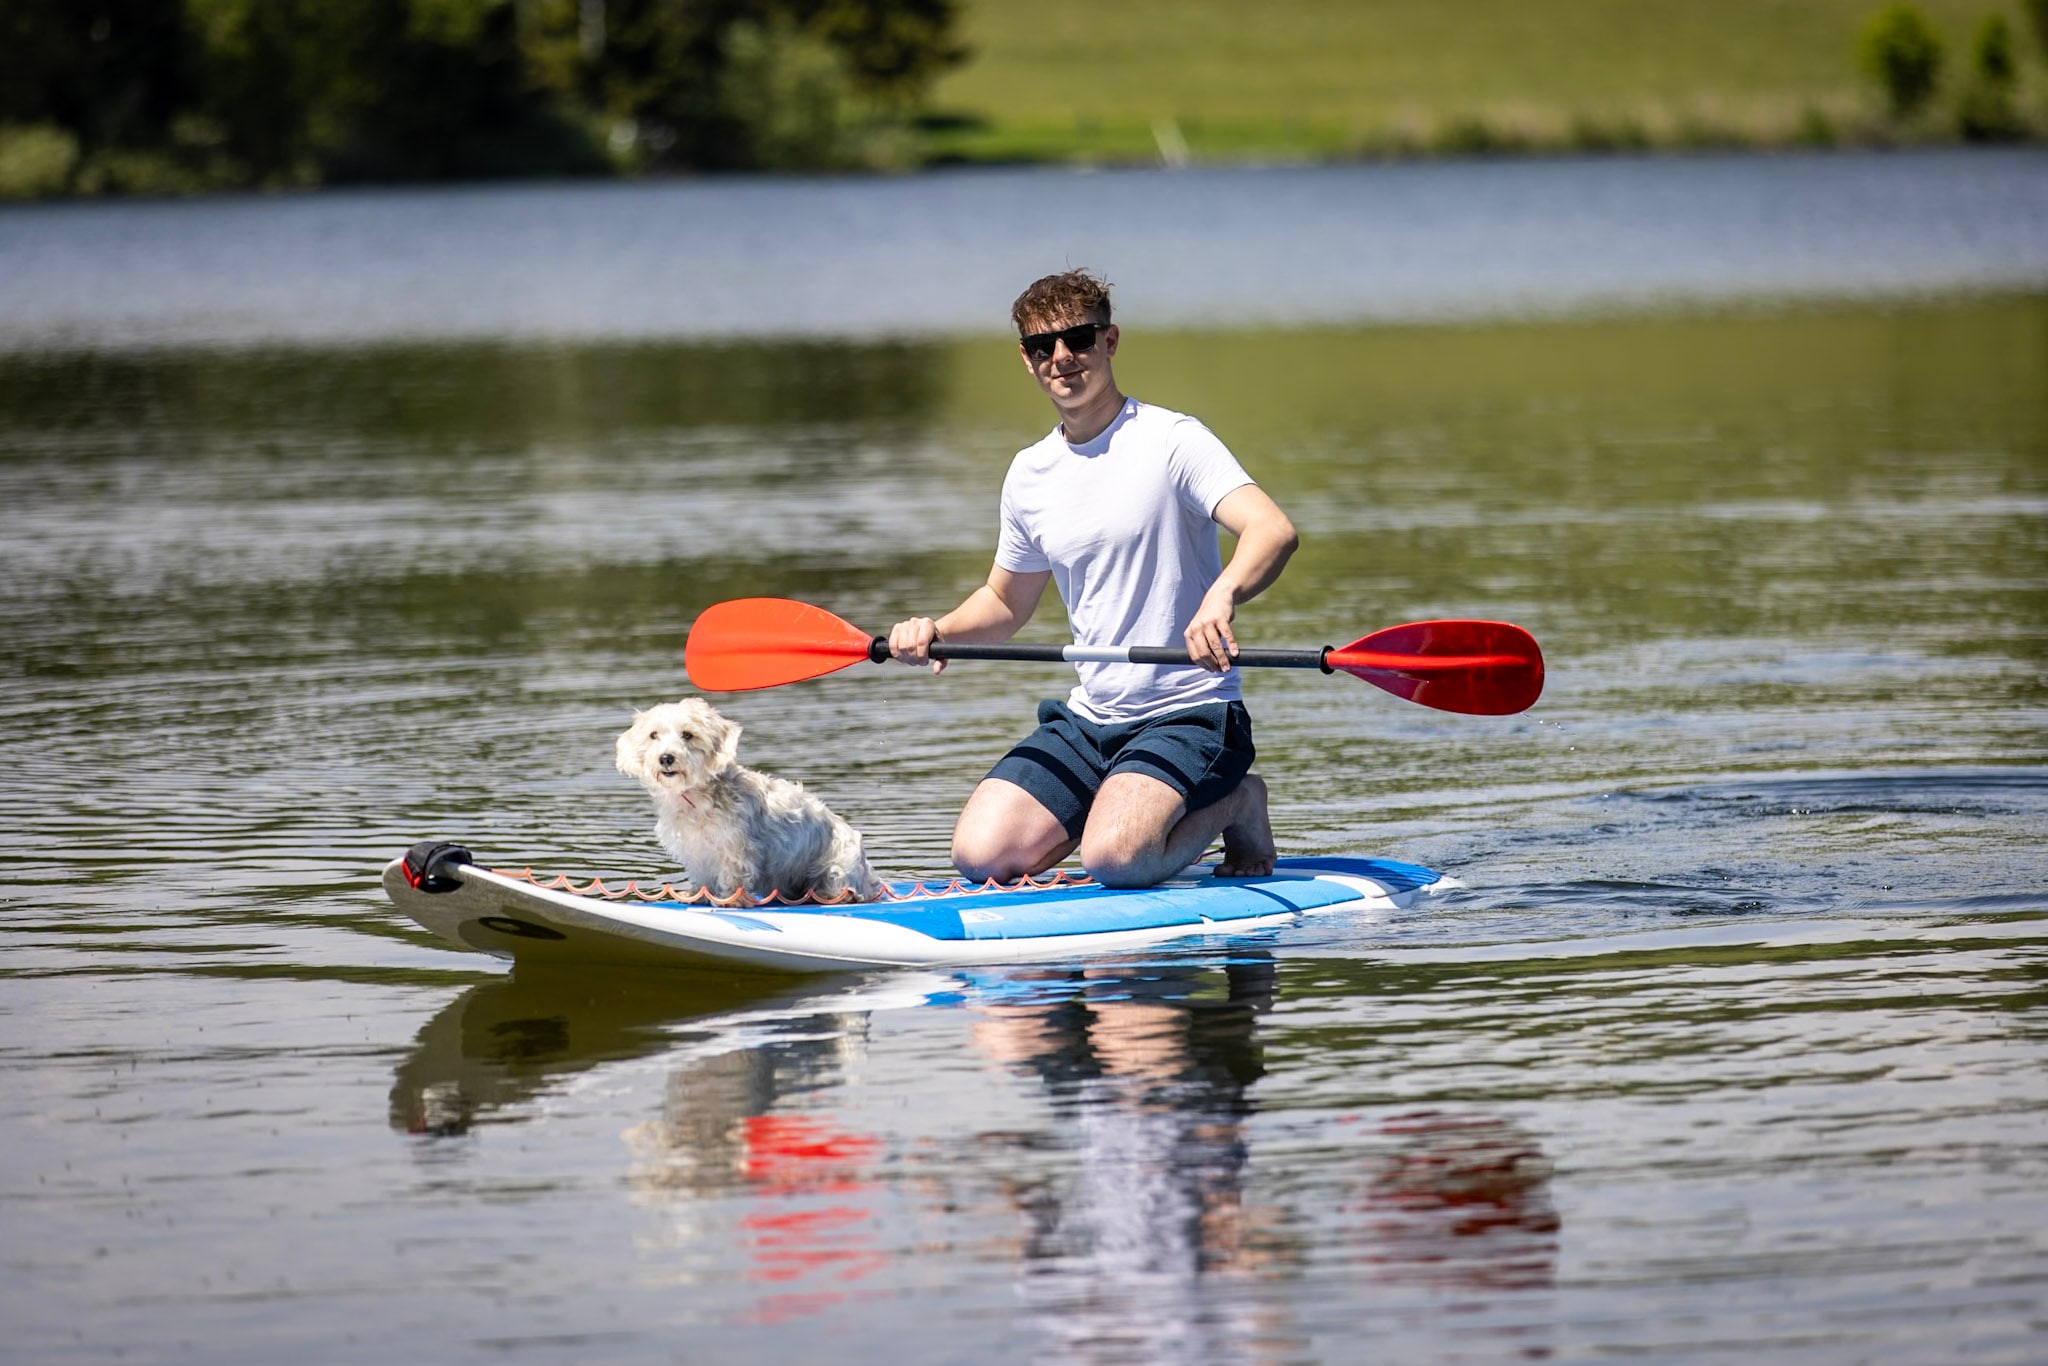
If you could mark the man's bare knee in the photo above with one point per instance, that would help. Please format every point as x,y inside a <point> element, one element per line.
<point>1126,840</point>
<point>1005,855</point>
<point>982,854</point>
<point>1124,873</point>
<point>1111,868</point>
<point>1117,858</point>
<point>978,863</point>
<point>1004,833</point>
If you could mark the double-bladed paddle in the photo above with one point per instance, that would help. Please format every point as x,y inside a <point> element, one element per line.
<point>1481,668</point>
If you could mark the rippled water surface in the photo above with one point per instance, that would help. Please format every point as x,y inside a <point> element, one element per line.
<point>1730,1046</point>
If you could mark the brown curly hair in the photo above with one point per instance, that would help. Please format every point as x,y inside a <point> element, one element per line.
<point>1076,293</point>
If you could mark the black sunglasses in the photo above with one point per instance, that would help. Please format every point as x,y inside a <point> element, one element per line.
<point>1079,338</point>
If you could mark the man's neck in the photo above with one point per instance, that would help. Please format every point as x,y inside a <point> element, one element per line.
<point>1091,419</point>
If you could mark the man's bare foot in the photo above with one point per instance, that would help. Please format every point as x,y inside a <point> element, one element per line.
<point>1248,840</point>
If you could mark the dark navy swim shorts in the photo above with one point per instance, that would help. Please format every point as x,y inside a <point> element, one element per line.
<point>1202,753</point>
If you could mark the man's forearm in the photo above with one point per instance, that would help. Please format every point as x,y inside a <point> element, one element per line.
<point>985,618</point>
<point>1262,552</point>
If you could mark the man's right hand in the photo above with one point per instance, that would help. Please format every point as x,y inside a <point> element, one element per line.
<point>911,642</point>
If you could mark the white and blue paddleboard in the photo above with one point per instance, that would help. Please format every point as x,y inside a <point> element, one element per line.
<point>927,925</point>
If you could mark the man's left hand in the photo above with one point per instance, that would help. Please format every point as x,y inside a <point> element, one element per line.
<point>1209,639</point>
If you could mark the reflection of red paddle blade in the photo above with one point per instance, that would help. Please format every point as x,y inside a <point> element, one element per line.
<point>794,1161</point>
<point>1481,668</point>
<point>766,642</point>
<point>1458,1201</point>
<point>797,1151</point>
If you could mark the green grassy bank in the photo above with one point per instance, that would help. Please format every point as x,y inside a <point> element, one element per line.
<point>1141,80</point>
<point>211,95</point>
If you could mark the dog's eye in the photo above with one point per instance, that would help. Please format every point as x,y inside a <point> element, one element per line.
<point>687,737</point>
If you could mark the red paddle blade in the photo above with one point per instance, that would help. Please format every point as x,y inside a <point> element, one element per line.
<point>766,642</point>
<point>1481,668</point>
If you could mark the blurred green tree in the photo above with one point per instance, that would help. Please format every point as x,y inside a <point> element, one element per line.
<point>894,48</point>
<point>1902,53</point>
<point>380,89</point>
<point>1987,112</point>
<point>721,84</point>
<point>110,73</point>
<point>790,94</point>
<point>302,91</point>
<point>2037,13</point>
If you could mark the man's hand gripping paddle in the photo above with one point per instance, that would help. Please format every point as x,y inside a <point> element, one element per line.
<point>1481,668</point>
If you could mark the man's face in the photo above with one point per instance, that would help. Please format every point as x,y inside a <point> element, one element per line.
<point>1069,357</point>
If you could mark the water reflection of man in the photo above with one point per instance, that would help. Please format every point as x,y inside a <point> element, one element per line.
<point>1129,1254</point>
<point>1146,1244</point>
<point>1142,767</point>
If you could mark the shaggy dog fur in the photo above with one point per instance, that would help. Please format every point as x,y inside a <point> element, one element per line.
<point>734,829</point>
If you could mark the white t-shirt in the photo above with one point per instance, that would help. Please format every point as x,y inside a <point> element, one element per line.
<point>1124,524</point>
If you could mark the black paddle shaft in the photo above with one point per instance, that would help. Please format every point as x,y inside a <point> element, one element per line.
<point>878,652</point>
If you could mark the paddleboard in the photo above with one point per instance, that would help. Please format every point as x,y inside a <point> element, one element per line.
<point>513,915</point>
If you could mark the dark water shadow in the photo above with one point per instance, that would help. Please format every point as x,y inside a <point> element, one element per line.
<point>458,395</point>
<point>497,1046</point>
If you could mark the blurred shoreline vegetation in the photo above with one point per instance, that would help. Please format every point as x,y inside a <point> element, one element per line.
<point>185,96</point>
<point>177,96</point>
<point>1193,81</point>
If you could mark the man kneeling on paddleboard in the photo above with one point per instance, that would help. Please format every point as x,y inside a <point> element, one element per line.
<point>1141,768</point>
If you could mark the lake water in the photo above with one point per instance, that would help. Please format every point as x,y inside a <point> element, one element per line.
<point>1731,1046</point>
<point>943,253</point>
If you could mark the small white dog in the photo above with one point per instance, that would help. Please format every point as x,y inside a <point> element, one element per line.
<point>733,828</point>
